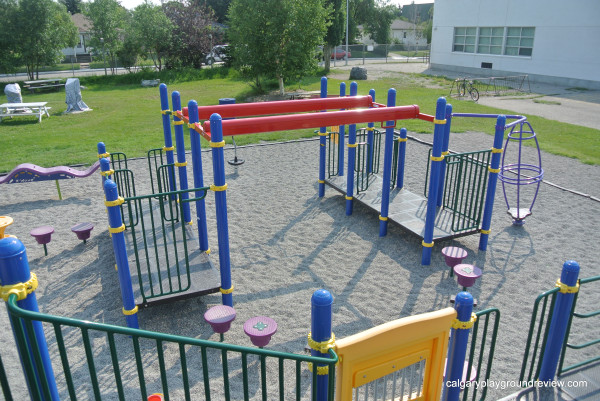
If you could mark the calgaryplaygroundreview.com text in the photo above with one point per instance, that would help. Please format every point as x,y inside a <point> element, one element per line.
<point>504,384</point>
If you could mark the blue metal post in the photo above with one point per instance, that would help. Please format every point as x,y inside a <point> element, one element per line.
<point>445,145</point>
<point>322,144</point>
<point>370,128</point>
<point>117,229</point>
<point>14,270</point>
<point>351,157</point>
<point>434,180</point>
<point>401,158</point>
<point>217,143</point>
<point>166,120</point>
<point>457,348</point>
<point>494,169</point>
<point>560,318</point>
<point>341,137</point>
<point>321,322</point>
<point>387,167</point>
<point>198,176</point>
<point>181,162</point>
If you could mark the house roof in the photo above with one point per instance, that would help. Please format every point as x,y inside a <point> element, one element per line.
<point>399,24</point>
<point>82,23</point>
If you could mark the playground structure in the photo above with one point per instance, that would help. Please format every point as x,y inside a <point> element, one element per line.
<point>28,172</point>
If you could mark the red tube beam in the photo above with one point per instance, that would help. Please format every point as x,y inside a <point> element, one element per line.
<point>284,107</point>
<point>426,117</point>
<point>314,120</point>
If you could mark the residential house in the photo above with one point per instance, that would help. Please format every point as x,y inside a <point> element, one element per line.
<point>403,32</point>
<point>82,49</point>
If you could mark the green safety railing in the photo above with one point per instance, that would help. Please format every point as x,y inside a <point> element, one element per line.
<point>101,361</point>
<point>162,173</point>
<point>125,182</point>
<point>155,162</point>
<point>464,187</point>
<point>4,383</point>
<point>333,152</point>
<point>567,345</point>
<point>481,351</point>
<point>367,158</point>
<point>159,242</point>
<point>118,161</point>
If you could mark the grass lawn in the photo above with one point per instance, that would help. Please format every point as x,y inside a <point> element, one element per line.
<point>127,118</point>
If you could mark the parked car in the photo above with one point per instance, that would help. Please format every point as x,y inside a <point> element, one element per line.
<point>216,55</point>
<point>339,53</point>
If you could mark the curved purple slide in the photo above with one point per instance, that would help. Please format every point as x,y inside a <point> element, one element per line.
<point>28,172</point>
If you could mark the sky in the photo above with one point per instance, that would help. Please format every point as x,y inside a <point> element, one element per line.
<point>131,4</point>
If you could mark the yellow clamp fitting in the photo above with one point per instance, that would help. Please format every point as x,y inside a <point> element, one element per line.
<point>485,231</point>
<point>321,182</point>
<point>370,128</point>
<point>445,153</point>
<point>166,112</point>
<point>208,250</point>
<point>217,188</point>
<point>217,144</point>
<point>177,164</point>
<point>227,291</point>
<point>457,324</point>
<point>323,133</point>
<point>496,150</point>
<point>436,121</point>
<point>437,158</point>
<point>21,290</point>
<point>493,170</point>
<point>192,125</point>
<point>169,149</point>
<point>383,218</point>
<point>352,145</point>
<point>427,245</point>
<point>565,289</point>
<point>177,122</point>
<point>402,139</point>
<point>321,370</point>
<point>131,311</point>
<point>103,155</point>
<point>349,198</point>
<point>117,202</point>
<point>117,229</point>
<point>107,172</point>
<point>322,346</point>
<point>116,267</point>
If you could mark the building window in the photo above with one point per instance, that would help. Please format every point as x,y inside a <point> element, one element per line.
<point>464,39</point>
<point>404,35</point>
<point>490,40</point>
<point>519,41</point>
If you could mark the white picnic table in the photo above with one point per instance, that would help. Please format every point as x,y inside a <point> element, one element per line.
<point>24,109</point>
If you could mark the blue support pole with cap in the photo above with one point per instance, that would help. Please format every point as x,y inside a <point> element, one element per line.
<point>117,229</point>
<point>401,158</point>
<point>351,157</point>
<point>166,120</point>
<point>220,188</point>
<point>561,315</point>
<point>370,129</point>
<point>445,145</point>
<point>181,163</point>
<point>494,170</point>
<point>198,175</point>
<point>321,323</point>
<point>457,348</point>
<point>322,144</point>
<point>31,342</point>
<point>434,180</point>
<point>341,137</point>
<point>387,167</point>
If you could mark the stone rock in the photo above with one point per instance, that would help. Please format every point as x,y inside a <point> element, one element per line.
<point>148,83</point>
<point>73,96</point>
<point>13,93</point>
<point>358,73</point>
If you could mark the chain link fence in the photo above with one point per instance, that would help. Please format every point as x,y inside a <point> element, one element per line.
<point>389,53</point>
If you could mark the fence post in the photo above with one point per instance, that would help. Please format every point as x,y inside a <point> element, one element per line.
<point>16,278</point>
<point>457,349</point>
<point>220,188</point>
<point>387,167</point>
<point>370,139</point>
<point>560,318</point>
<point>351,158</point>
<point>322,143</point>
<point>117,229</point>
<point>181,163</point>
<point>434,176</point>
<point>321,322</point>
<point>166,120</point>
<point>494,170</point>
<point>445,145</point>
<point>341,137</point>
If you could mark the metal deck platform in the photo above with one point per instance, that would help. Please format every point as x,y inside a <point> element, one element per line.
<point>407,209</point>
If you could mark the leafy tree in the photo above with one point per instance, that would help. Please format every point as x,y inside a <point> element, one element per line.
<point>276,38</point>
<point>128,54</point>
<point>335,31</point>
<point>9,55</point>
<point>40,29</point>
<point>193,25</point>
<point>379,23</point>
<point>108,20</point>
<point>220,8</point>
<point>152,29</point>
<point>73,6</point>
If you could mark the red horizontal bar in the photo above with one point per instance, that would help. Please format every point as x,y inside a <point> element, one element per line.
<point>314,120</point>
<point>426,117</point>
<point>284,107</point>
